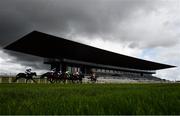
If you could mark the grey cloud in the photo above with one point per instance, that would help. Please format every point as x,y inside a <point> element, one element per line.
<point>89,18</point>
<point>25,60</point>
<point>81,17</point>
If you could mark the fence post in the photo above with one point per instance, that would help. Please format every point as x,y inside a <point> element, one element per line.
<point>0,79</point>
<point>39,80</point>
<point>10,80</point>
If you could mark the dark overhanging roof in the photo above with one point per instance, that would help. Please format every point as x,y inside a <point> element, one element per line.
<point>48,46</point>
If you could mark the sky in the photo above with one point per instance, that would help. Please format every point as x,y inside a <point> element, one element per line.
<point>146,29</point>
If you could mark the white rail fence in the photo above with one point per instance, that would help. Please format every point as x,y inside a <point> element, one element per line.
<point>85,80</point>
<point>11,80</point>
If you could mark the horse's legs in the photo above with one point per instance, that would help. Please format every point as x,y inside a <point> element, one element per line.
<point>33,80</point>
<point>64,80</point>
<point>80,80</point>
<point>73,80</point>
<point>27,80</point>
<point>51,80</point>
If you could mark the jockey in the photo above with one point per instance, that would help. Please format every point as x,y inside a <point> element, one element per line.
<point>53,70</point>
<point>68,74</point>
<point>28,71</point>
<point>55,73</point>
<point>60,72</point>
<point>76,74</point>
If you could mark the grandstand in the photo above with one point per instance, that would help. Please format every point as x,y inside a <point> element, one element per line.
<point>64,55</point>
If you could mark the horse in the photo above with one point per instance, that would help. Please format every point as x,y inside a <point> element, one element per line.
<point>93,78</point>
<point>52,77</point>
<point>55,77</point>
<point>65,76</point>
<point>26,76</point>
<point>77,78</point>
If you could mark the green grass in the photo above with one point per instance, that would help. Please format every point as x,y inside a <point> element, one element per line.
<point>89,99</point>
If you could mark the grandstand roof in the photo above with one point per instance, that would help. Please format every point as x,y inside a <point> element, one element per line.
<point>48,46</point>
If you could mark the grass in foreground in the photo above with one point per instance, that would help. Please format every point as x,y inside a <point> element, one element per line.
<point>89,99</point>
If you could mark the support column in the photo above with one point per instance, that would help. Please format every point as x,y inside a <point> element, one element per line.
<point>82,69</point>
<point>63,67</point>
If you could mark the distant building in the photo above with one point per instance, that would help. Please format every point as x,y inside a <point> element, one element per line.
<point>64,54</point>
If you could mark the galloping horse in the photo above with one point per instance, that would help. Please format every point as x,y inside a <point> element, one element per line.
<point>52,77</point>
<point>93,78</point>
<point>77,78</point>
<point>26,76</point>
<point>56,77</point>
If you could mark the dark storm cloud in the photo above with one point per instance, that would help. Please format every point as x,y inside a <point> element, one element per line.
<point>88,18</point>
<point>79,17</point>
